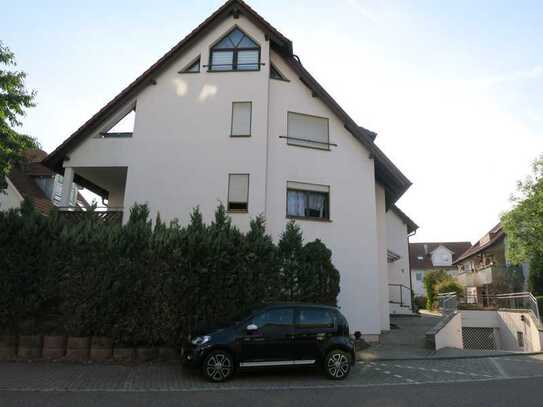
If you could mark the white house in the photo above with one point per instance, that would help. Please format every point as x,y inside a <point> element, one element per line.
<point>231,115</point>
<point>399,228</point>
<point>428,256</point>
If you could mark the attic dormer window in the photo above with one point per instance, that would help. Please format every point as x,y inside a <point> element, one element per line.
<point>235,52</point>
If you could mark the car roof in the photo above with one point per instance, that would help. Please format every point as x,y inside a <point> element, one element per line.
<point>298,305</point>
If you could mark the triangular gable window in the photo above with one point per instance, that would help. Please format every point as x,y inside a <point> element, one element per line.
<point>124,127</point>
<point>235,52</point>
<point>193,67</point>
<point>275,74</point>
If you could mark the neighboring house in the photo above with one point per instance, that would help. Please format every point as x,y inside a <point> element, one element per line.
<point>428,256</point>
<point>399,228</point>
<point>484,269</point>
<point>31,179</point>
<point>231,115</point>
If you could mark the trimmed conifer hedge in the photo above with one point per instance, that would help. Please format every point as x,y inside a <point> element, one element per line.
<point>145,284</point>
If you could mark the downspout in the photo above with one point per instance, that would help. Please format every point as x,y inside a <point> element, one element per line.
<point>267,167</point>
<point>409,267</point>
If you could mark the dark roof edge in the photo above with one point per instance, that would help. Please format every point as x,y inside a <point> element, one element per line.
<point>472,251</point>
<point>386,172</point>
<point>411,226</point>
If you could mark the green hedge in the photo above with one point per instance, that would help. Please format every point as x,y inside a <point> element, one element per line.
<point>148,284</point>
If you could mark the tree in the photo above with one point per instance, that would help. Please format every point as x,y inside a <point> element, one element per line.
<point>523,225</point>
<point>431,279</point>
<point>14,99</point>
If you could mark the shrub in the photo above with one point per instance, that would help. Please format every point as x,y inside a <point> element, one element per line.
<point>144,284</point>
<point>448,285</point>
<point>430,280</point>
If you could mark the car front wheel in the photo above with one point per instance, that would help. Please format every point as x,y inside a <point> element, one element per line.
<point>218,366</point>
<point>337,364</point>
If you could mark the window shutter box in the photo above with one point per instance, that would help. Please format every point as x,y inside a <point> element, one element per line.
<point>301,186</point>
<point>308,131</point>
<point>241,118</point>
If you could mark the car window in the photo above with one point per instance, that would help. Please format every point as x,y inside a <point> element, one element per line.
<point>274,318</point>
<point>315,318</point>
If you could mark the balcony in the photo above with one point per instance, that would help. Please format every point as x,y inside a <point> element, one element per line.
<point>102,214</point>
<point>477,278</point>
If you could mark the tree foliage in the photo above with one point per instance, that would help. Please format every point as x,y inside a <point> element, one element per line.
<point>438,282</point>
<point>145,283</point>
<point>14,99</point>
<point>523,224</point>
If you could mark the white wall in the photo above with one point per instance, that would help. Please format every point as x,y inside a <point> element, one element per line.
<point>450,336</point>
<point>441,256</point>
<point>348,170</point>
<point>10,198</point>
<point>382,256</point>
<point>513,322</point>
<point>418,286</point>
<point>181,153</point>
<point>398,271</point>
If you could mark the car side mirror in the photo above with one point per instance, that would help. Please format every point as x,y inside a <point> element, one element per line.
<point>251,328</point>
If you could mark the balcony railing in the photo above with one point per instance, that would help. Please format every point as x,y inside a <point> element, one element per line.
<point>450,302</point>
<point>102,214</point>
<point>477,278</point>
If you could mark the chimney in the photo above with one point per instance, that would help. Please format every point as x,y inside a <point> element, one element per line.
<point>425,249</point>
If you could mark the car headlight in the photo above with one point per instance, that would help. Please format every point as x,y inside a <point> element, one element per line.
<point>200,340</point>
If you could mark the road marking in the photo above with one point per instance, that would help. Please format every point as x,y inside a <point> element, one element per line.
<point>499,368</point>
<point>255,388</point>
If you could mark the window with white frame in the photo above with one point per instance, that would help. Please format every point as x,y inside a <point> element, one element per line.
<point>418,276</point>
<point>311,201</point>
<point>238,192</point>
<point>308,131</point>
<point>241,119</point>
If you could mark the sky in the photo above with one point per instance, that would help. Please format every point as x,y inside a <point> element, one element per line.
<point>454,89</point>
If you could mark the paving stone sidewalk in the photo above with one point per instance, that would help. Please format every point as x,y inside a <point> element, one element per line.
<point>49,376</point>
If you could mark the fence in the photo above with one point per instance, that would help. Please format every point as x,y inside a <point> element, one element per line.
<point>450,302</point>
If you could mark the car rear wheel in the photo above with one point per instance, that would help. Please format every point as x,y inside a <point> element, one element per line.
<point>337,364</point>
<point>218,366</point>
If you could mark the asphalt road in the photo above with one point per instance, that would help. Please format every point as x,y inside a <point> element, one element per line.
<point>491,392</point>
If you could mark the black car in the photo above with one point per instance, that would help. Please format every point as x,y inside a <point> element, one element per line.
<point>275,335</point>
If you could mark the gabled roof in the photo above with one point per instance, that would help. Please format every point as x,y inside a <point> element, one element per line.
<point>385,171</point>
<point>411,226</point>
<point>420,254</point>
<point>26,186</point>
<point>493,236</point>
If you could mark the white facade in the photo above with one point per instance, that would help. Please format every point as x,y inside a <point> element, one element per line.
<point>10,198</point>
<point>399,286</point>
<point>181,153</point>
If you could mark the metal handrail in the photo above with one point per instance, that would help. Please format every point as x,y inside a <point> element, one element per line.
<point>448,302</point>
<point>523,295</point>
<point>401,302</point>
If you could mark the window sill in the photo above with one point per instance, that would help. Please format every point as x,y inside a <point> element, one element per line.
<point>240,135</point>
<point>232,70</point>
<point>310,147</point>
<point>241,211</point>
<point>309,219</point>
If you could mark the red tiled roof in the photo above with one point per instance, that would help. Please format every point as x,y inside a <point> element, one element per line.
<point>495,235</point>
<point>28,188</point>
<point>424,249</point>
<point>33,166</point>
